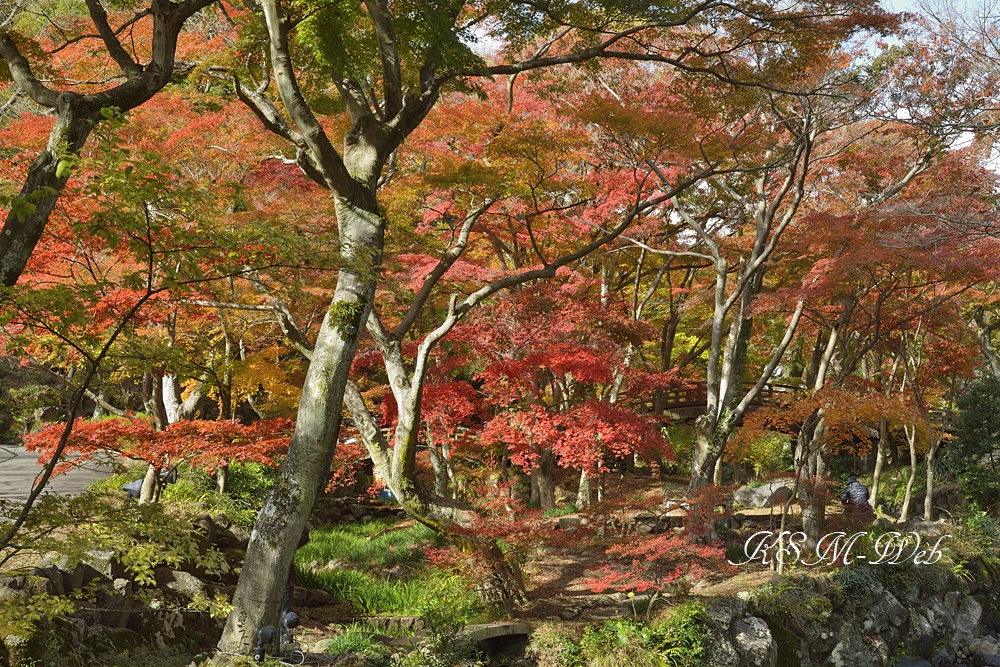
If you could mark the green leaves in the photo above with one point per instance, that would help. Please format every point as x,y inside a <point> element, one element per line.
<point>21,206</point>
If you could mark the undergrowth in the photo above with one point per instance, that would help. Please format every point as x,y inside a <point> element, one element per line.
<point>360,564</point>
<point>248,487</point>
<point>676,637</point>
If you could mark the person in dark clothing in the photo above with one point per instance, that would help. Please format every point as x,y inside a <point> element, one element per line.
<point>855,495</point>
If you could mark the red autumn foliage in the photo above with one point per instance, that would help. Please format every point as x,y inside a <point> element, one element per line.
<point>206,444</point>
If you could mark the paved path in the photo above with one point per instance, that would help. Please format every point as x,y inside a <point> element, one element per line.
<point>18,469</point>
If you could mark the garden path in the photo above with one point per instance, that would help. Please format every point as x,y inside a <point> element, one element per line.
<point>18,469</point>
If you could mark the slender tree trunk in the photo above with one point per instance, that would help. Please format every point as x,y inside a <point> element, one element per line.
<point>155,403</point>
<point>709,444</point>
<point>258,596</point>
<point>813,506</point>
<point>149,491</point>
<point>929,496</point>
<point>440,470</point>
<point>911,439</point>
<point>583,494</point>
<point>883,435</point>
<point>222,479</point>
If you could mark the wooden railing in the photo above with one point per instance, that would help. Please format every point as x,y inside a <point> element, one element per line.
<point>696,395</point>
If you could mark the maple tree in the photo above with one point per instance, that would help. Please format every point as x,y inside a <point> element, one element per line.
<point>511,261</point>
<point>407,76</point>
<point>145,62</point>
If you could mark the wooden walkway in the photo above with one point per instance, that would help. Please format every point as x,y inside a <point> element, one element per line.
<point>689,402</point>
<point>18,470</point>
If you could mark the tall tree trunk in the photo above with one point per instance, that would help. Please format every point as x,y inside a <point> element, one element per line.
<point>257,599</point>
<point>440,467</point>
<point>222,478</point>
<point>883,435</point>
<point>172,397</point>
<point>583,494</point>
<point>911,439</point>
<point>812,504</point>
<point>155,402</point>
<point>929,495</point>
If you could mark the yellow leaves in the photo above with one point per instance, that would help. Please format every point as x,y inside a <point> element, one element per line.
<point>273,384</point>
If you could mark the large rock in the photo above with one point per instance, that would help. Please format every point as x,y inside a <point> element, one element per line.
<point>912,661</point>
<point>758,496</point>
<point>850,651</point>
<point>920,639</point>
<point>66,577</point>
<point>311,597</point>
<point>753,642</point>
<point>182,583</point>
<point>968,614</point>
<point>983,646</point>
<point>116,603</point>
<point>24,586</point>
<point>720,652</point>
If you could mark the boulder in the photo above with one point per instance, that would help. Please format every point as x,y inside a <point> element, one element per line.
<point>74,577</point>
<point>946,657</point>
<point>720,652</point>
<point>54,575</point>
<point>850,651</point>
<point>926,529</point>
<point>983,646</point>
<point>753,642</point>
<point>968,614</point>
<point>311,597</point>
<point>115,603</point>
<point>723,612</point>
<point>183,583</point>
<point>920,639</point>
<point>573,522</point>
<point>24,586</point>
<point>757,496</point>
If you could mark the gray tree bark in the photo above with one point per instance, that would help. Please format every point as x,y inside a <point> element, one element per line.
<point>258,596</point>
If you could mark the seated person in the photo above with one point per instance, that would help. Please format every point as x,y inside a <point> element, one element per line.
<point>855,495</point>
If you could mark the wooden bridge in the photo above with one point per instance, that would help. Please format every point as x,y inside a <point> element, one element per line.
<point>690,401</point>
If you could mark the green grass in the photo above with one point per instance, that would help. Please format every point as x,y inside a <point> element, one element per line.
<point>565,510</point>
<point>353,544</point>
<point>356,639</point>
<point>360,576</point>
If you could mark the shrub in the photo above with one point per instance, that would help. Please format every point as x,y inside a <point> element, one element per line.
<point>569,508</point>
<point>676,639</point>
<point>682,440</point>
<point>552,647</point>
